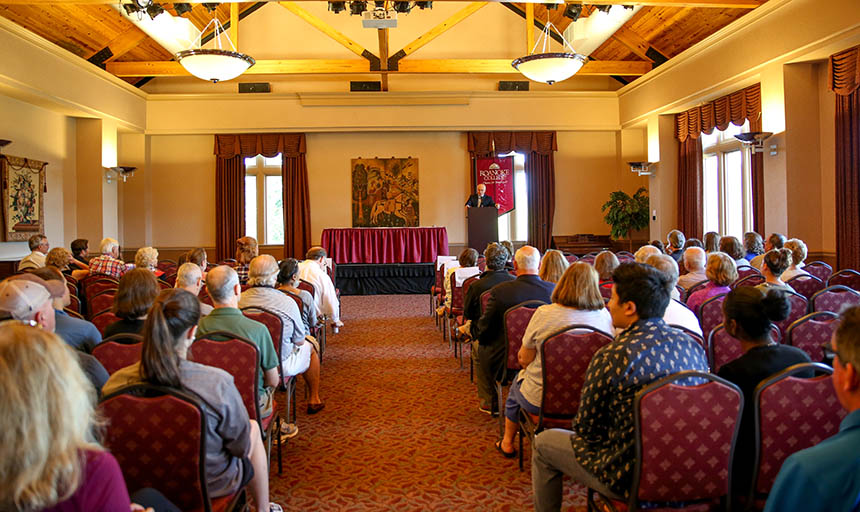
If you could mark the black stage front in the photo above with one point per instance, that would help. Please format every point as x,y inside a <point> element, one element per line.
<point>384,279</point>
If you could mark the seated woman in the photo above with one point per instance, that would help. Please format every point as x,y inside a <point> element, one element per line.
<point>66,469</point>
<point>732,246</point>
<point>712,242</point>
<point>137,289</point>
<point>748,314</point>
<point>246,250</point>
<point>721,272</point>
<point>288,281</point>
<point>798,254</point>
<point>147,258</point>
<point>235,455</point>
<point>575,300</point>
<point>61,258</point>
<point>753,245</point>
<point>552,266</point>
<point>774,264</point>
<point>605,264</point>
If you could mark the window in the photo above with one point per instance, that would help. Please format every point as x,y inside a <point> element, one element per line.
<point>514,225</point>
<point>726,183</point>
<point>264,202</point>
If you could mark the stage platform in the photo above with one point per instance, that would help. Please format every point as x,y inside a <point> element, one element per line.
<point>384,279</point>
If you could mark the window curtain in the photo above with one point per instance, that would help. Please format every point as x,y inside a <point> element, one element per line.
<point>538,148</point>
<point>734,108</point>
<point>230,196</point>
<point>845,82</point>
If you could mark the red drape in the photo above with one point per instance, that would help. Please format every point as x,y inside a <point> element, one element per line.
<point>690,217</point>
<point>845,82</point>
<point>385,245</point>
<point>229,204</point>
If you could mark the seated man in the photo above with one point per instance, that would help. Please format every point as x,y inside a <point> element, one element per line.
<point>600,453</point>
<point>80,252</point>
<point>108,263</point>
<point>491,325</point>
<point>774,241</point>
<point>676,313</point>
<point>39,247</point>
<point>76,332</point>
<point>189,277</point>
<point>675,241</point>
<point>224,288</point>
<point>824,477</point>
<point>694,262</point>
<point>312,270</point>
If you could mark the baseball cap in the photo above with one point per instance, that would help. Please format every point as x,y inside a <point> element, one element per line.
<point>21,295</point>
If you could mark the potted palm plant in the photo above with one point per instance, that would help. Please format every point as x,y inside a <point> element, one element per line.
<point>625,214</point>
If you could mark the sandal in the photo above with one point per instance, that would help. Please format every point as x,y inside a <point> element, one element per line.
<point>507,455</point>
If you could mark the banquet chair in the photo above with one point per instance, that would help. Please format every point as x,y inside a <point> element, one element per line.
<point>458,339</point>
<point>103,319</point>
<point>571,258</point>
<point>710,313</point>
<point>167,266</point>
<point>819,269</point>
<point>606,289</point>
<point>811,331</point>
<point>694,335</point>
<point>750,280</point>
<point>484,299</point>
<point>73,287</point>
<point>97,283</point>
<point>746,271</point>
<point>158,436</point>
<point>846,277</point>
<point>116,356</point>
<point>834,298</point>
<point>806,285</point>
<point>516,319</point>
<point>723,348</point>
<point>696,287</point>
<point>799,308</point>
<point>74,304</point>
<point>317,331</point>
<point>101,302</point>
<point>678,462</point>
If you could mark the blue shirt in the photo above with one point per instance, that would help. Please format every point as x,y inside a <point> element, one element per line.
<point>824,477</point>
<point>78,333</point>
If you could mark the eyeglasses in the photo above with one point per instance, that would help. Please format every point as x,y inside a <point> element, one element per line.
<point>830,352</point>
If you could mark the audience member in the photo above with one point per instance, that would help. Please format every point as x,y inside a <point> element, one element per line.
<point>491,325</point>
<point>712,242</point>
<point>313,270</point>
<point>675,242</point>
<point>774,241</point>
<point>576,300</point>
<point>76,332</point>
<point>468,267</point>
<point>81,251</point>
<point>823,478</point>
<point>752,245</point>
<point>676,312</point>
<point>199,257</point>
<point>288,281</point>
<point>137,289</point>
<point>600,451</point>
<point>39,247</point>
<point>694,262</point>
<point>224,288</point>
<point>507,244</point>
<point>659,245</point>
<point>644,252</point>
<point>147,257</point>
<point>246,250</point>
<point>552,266</point>
<point>748,315</point>
<point>50,458</point>
<point>189,277</point>
<point>721,272</point>
<point>732,246</point>
<point>61,258</point>
<point>798,254</point>
<point>235,455</point>
<point>774,264</point>
<point>605,264</point>
<point>693,242</point>
<point>108,263</point>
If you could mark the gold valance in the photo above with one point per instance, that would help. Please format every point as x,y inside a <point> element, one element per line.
<point>845,71</point>
<point>732,108</point>
<point>482,143</point>
<point>266,144</point>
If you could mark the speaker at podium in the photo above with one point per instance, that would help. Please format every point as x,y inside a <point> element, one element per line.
<point>483,227</point>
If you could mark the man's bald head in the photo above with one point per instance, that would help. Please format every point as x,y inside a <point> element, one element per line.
<point>527,259</point>
<point>221,283</point>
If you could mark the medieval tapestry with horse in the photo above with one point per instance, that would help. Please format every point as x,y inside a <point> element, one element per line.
<point>384,192</point>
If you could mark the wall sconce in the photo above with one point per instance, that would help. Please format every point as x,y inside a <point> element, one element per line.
<point>755,141</point>
<point>123,172</point>
<point>643,168</point>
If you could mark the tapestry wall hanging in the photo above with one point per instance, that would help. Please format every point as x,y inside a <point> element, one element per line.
<point>384,192</point>
<point>23,197</point>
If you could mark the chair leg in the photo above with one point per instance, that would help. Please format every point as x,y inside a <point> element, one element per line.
<point>280,461</point>
<point>471,366</point>
<point>501,404</point>
<point>522,434</point>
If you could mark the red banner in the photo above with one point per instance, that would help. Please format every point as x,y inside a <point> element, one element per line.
<point>498,176</point>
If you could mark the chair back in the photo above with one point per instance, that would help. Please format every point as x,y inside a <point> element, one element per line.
<point>685,435</point>
<point>606,289</point>
<point>230,262</point>
<point>236,356</point>
<point>711,313</point>
<point>588,258</point>
<point>101,302</point>
<point>164,285</point>
<point>482,264</point>
<point>792,414</point>
<point>799,307</point>
<point>297,299</point>
<point>682,293</point>
<point>571,258</point>
<point>806,285</point>
<point>834,298</point>
<point>73,288</point>
<point>116,356</point>
<point>564,358</point>
<point>696,287</point>
<point>846,277</point>
<point>308,287</point>
<point>746,271</point>
<point>516,320</point>
<point>750,280</point>
<point>812,331</point>
<point>273,323</point>
<point>170,278</point>
<point>104,319</point>
<point>698,338</point>
<point>74,304</point>
<point>98,283</point>
<point>468,282</point>
<point>167,266</point>
<point>819,269</point>
<point>485,299</point>
<point>70,279</point>
<point>723,348</point>
<point>158,436</point>
<point>71,312</point>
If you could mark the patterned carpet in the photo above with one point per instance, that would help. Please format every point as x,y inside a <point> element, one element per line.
<point>401,429</point>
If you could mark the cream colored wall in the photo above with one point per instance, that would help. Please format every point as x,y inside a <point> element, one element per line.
<point>827,159</point>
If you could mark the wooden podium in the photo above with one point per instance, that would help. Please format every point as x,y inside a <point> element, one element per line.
<point>483,227</point>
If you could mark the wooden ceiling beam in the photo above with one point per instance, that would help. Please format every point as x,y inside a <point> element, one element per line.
<point>530,27</point>
<point>332,32</point>
<point>640,46</point>
<point>726,4</point>
<point>503,66</point>
<point>434,32</point>
<point>118,46</point>
<point>234,24</point>
<point>383,55</point>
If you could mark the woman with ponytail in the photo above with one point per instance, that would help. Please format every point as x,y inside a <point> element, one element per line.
<point>774,264</point>
<point>235,455</point>
<point>748,314</point>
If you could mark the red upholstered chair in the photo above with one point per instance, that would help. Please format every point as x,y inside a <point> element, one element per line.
<point>103,319</point>
<point>724,348</point>
<point>240,358</point>
<point>230,262</point>
<point>516,319</point>
<point>685,436</point>
<point>116,356</point>
<point>167,266</point>
<point>571,258</point>
<point>746,271</point>
<point>485,299</point>
<point>682,293</point>
<point>71,312</point>
<point>101,302</point>
<point>696,287</point>
<point>74,304</point>
<point>750,280</point>
<point>694,335</point>
<point>73,288</point>
<point>606,289</point>
<point>564,358</point>
<point>308,287</point>
<point>710,313</point>
<point>812,331</point>
<point>834,298</point>
<point>624,254</point>
<point>846,277</point>
<point>806,285</point>
<point>158,436</point>
<point>98,283</point>
<point>819,269</point>
<point>588,258</point>
<point>791,414</point>
<point>71,280</point>
<point>459,320</point>
<point>170,278</point>
<point>799,307</point>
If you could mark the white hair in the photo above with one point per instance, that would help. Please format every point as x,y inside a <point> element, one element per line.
<point>263,271</point>
<point>527,258</point>
<point>146,257</point>
<point>107,246</point>
<point>644,252</point>
<point>694,258</point>
<point>188,275</point>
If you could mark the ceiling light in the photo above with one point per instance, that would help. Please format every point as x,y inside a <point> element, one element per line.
<point>603,8</point>
<point>402,7</point>
<point>550,6</point>
<point>573,11</point>
<point>143,4</point>
<point>131,8</point>
<point>424,5</point>
<point>154,10</point>
<point>549,67</point>
<point>357,7</point>
<point>210,7</point>
<point>181,8</point>
<point>336,7</point>
<point>216,64</point>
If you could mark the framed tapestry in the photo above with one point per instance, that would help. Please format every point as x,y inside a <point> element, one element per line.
<point>23,197</point>
<point>384,192</point>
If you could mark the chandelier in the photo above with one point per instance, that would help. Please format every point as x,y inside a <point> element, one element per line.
<point>216,64</point>
<point>549,67</point>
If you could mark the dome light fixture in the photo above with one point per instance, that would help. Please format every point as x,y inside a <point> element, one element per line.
<point>550,67</point>
<point>216,64</point>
